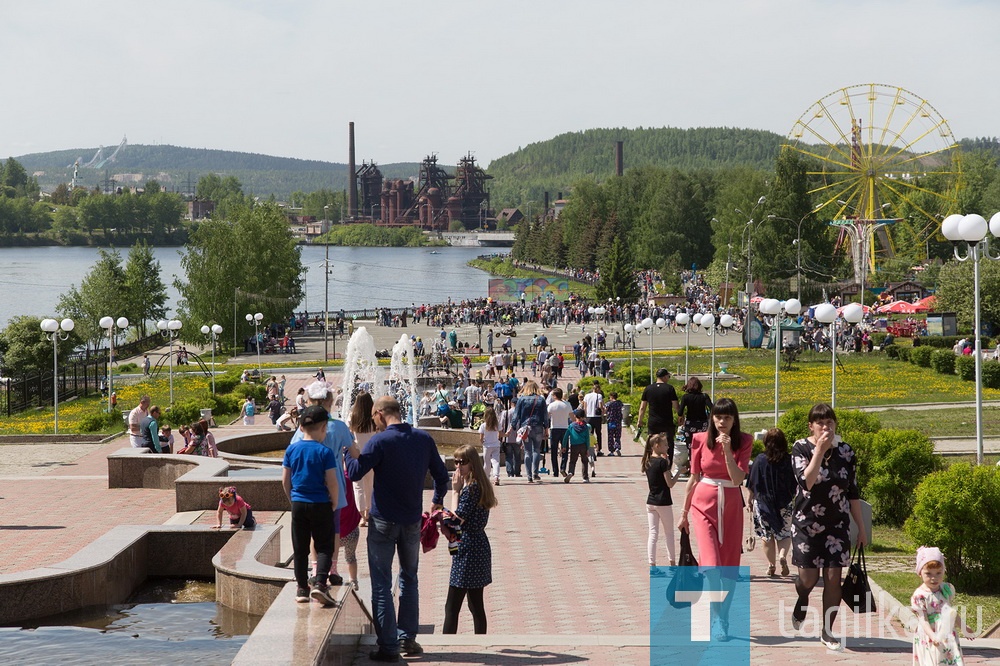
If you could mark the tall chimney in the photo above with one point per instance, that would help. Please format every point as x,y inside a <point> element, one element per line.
<point>352,189</point>
<point>619,158</point>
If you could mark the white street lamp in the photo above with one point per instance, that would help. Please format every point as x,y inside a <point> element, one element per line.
<point>255,319</point>
<point>647,325</point>
<point>684,319</point>
<point>971,230</point>
<point>714,329</point>
<point>56,331</point>
<point>169,330</point>
<point>631,331</point>
<point>774,310</point>
<point>213,335</point>
<point>110,323</point>
<point>827,314</point>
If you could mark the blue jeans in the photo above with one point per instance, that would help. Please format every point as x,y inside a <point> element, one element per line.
<point>384,540</point>
<point>512,458</point>
<point>532,450</point>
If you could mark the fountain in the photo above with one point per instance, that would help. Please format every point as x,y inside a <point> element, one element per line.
<point>362,372</point>
<point>402,382</point>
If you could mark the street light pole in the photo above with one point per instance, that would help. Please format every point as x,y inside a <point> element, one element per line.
<point>630,330</point>
<point>109,323</point>
<point>169,330</point>
<point>255,319</point>
<point>57,331</point>
<point>775,310</point>
<point>971,229</point>
<point>715,329</point>
<point>827,314</point>
<point>749,225</point>
<point>212,334</point>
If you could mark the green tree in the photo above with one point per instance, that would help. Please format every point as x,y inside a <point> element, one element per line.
<point>101,293</point>
<point>26,349</point>
<point>251,257</point>
<point>65,219</point>
<point>617,279</point>
<point>144,290</point>
<point>60,195</point>
<point>152,187</point>
<point>13,174</point>
<point>955,294</point>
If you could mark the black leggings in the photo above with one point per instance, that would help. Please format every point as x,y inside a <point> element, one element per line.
<point>456,595</point>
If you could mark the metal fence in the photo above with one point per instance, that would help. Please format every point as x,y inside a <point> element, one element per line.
<point>80,379</point>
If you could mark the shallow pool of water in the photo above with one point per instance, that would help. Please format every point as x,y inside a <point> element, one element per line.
<point>165,622</point>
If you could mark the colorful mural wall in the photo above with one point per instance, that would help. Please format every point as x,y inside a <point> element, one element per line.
<point>510,289</point>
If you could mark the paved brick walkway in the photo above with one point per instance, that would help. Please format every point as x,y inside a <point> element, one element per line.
<point>570,576</point>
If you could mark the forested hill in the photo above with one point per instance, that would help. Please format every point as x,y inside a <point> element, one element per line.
<point>172,166</point>
<point>556,164</point>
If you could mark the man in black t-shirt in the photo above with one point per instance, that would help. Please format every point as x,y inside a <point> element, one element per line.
<point>661,401</point>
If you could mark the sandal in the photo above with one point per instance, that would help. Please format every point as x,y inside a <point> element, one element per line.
<point>784,567</point>
<point>770,571</point>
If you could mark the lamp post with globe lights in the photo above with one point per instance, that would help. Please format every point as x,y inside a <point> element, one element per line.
<point>647,325</point>
<point>773,311</point>
<point>630,331</point>
<point>110,323</point>
<point>212,333</point>
<point>714,328</point>
<point>56,331</point>
<point>255,320</point>
<point>683,319</point>
<point>169,330</point>
<point>971,230</point>
<point>827,314</point>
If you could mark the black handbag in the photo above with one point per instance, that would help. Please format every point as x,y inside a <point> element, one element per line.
<point>855,590</point>
<point>686,574</point>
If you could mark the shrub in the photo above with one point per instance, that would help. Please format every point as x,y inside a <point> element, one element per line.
<point>991,374</point>
<point>921,356</point>
<point>965,366</point>
<point>937,341</point>
<point>878,338</point>
<point>97,421</point>
<point>892,351</point>
<point>795,423</point>
<point>904,353</point>
<point>623,372</point>
<point>128,367</point>
<point>942,360</point>
<point>227,382</point>
<point>897,461</point>
<point>243,391</point>
<point>185,412</point>
<point>958,510</point>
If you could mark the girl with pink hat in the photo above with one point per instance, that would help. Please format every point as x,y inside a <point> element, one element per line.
<point>935,640</point>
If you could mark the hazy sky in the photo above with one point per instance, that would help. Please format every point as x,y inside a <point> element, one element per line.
<point>284,77</point>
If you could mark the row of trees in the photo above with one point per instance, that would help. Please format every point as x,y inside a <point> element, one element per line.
<point>718,221</point>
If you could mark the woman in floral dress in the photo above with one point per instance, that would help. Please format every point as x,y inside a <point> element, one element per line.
<point>826,499</point>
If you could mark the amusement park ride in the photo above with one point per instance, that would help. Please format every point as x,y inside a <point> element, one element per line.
<point>876,150</point>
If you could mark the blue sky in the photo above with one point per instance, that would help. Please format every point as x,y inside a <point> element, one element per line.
<point>284,78</point>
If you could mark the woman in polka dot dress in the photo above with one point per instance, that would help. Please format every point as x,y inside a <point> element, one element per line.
<point>472,562</point>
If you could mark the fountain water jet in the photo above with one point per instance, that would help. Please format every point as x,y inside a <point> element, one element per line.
<point>360,371</point>
<point>402,383</point>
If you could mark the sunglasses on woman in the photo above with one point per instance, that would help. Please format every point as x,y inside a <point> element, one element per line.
<point>460,462</point>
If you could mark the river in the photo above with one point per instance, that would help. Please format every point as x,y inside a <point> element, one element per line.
<point>360,277</point>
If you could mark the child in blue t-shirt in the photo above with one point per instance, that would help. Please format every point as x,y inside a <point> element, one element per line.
<point>309,475</point>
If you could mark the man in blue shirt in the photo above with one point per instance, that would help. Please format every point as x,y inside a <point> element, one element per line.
<point>401,456</point>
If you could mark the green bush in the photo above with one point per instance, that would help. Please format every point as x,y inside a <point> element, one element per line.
<point>897,461</point>
<point>958,510</point>
<point>128,367</point>
<point>795,423</point>
<point>965,367</point>
<point>878,338</point>
<point>904,353</point>
<point>256,391</point>
<point>937,341</point>
<point>227,382</point>
<point>892,351</point>
<point>184,413</point>
<point>942,360</point>
<point>102,421</point>
<point>623,372</point>
<point>921,356</point>
<point>991,374</point>
<point>228,403</point>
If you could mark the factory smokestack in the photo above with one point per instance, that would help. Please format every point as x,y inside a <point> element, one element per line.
<point>619,158</point>
<point>352,189</point>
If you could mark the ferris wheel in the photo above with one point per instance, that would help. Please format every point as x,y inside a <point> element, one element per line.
<point>878,154</point>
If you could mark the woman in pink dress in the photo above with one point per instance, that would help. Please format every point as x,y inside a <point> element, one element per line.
<point>720,462</point>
